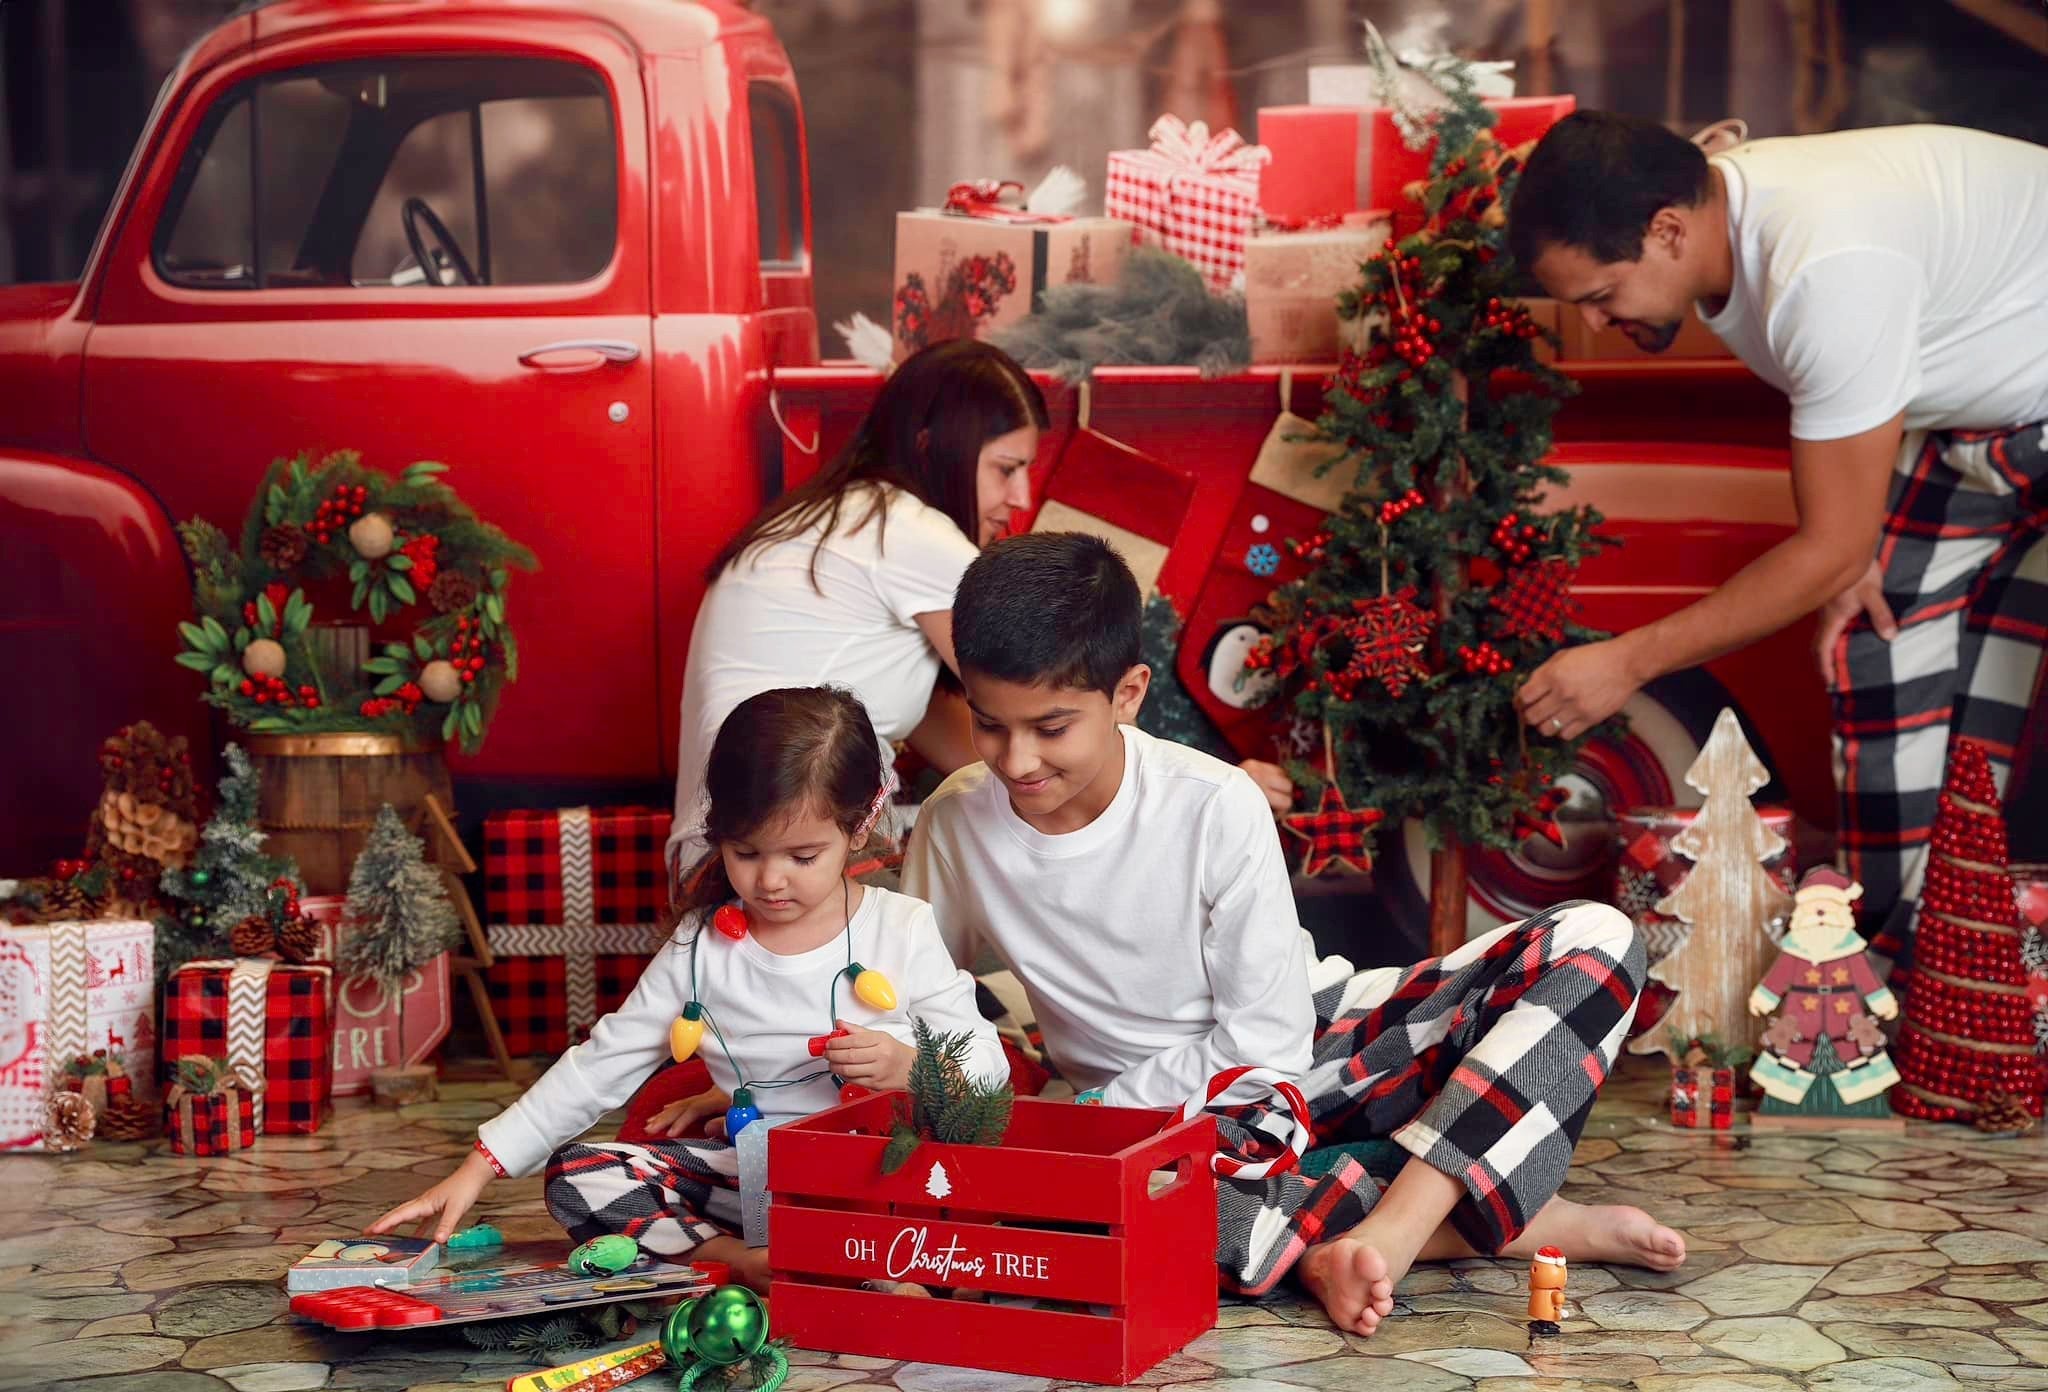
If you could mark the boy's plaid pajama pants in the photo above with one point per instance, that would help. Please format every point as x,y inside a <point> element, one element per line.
<point>1483,1063</point>
<point>1966,576</point>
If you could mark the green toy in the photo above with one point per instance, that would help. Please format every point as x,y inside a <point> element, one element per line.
<point>604,1256</point>
<point>475,1239</point>
<point>712,1333</point>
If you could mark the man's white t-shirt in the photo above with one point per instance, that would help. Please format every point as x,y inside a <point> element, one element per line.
<point>768,1007</point>
<point>764,625</point>
<point>1159,944</point>
<point>1900,268</point>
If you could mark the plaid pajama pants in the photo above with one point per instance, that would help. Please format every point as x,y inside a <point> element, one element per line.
<point>1966,576</point>
<point>1482,1063</point>
<point>671,1196</point>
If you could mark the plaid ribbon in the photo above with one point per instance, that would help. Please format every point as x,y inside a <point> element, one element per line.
<point>1295,1140</point>
<point>1194,193</point>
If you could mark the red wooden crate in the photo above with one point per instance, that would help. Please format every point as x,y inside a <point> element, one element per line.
<point>1063,1210</point>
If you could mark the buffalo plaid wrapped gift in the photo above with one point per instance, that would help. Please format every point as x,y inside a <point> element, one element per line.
<point>577,899</point>
<point>1193,193</point>
<point>272,1021</point>
<point>211,1107</point>
<point>1703,1098</point>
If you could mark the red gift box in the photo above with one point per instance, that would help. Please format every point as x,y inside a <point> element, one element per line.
<point>577,900</point>
<point>213,1123</point>
<point>1331,160</point>
<point>1716,1085</point>
<point>270,1020</point>
<point>1195,194</point>
<point>1062,1210</point>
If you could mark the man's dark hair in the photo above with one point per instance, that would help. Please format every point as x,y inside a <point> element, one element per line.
<point>1048,608</point>
<point>1594,182</point>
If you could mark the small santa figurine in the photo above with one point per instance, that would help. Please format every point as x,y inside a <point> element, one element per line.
<point>1823,987</point>
<point>1546,1286</point>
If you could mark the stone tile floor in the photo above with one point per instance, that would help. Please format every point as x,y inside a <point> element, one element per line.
<point>1833,1262</point>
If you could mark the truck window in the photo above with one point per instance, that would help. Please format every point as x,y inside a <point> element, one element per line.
<point>778,177</point>
<point>448,171</point>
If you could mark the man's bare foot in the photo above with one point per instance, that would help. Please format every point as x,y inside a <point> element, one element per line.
<point>1611,1233</point>
<point>1352,1279</point>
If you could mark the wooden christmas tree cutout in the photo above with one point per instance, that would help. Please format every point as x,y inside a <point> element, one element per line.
<point>1725,901</point>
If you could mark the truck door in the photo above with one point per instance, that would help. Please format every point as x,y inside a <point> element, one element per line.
<point>418,256</point>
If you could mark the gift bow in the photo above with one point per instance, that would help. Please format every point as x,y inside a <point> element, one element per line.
<point>223,1081</point>
<point>1192,147</point>
<point>983,198</point>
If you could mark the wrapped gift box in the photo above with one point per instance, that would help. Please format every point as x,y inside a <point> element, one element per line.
<point>577,901</point>
<point>1648,869</point>
<point>366,1013</point>
<point>1357,84</point>
<point>1291,284</point>
<point>67,989</point>
<point>1703,1098</point>
<point>971,270</point>
<point>272,1021</point>
<point>1331,160</point>
<point>2030,892</point>
<point>1193,193</point>
<point>214,1123</point>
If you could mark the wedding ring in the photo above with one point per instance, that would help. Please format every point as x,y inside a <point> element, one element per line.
<point>1556,725</point>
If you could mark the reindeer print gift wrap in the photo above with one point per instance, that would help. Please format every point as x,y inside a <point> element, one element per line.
<point>67,989</point>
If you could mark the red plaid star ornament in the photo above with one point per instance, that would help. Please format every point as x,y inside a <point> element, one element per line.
<point>1335,834</point>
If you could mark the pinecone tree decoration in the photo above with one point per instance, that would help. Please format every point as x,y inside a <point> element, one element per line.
<point>2001,1113</point>
<point>253,937</point>
<point>282,546</point>
<point>126,1119</point>
<point>67,900</point>
<point>298,940</point>
<point>451,592</point>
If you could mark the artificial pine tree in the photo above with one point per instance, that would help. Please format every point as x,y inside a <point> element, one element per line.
<point>1169,711</point>
<point>229,882</point>
<point>398,916</point>
<point>1439,586</point>
<point>945,1104</point>
<point>1969,1031</point>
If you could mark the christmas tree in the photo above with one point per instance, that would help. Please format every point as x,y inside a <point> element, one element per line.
<point>230,882</point>
<point>1969,1023</point>
<point>398,916</point>
<point>1438,585</point>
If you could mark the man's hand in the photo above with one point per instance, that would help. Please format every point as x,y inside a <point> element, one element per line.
<point>1273,782</point>
<point>870,1058</point>
<point>680,1115</point>
<point>1866,596</point>
<point>1579,687</point>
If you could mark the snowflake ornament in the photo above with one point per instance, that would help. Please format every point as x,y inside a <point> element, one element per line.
<point>1388,639</point>
<point>1262,559</point>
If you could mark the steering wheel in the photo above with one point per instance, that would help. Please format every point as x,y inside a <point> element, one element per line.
<point>414,212</point>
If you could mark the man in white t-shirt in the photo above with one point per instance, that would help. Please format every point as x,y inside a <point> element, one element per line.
<point>1893,283</point>
<point>1137,889</point>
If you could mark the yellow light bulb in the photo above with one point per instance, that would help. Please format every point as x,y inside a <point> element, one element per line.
<point>872,987</point>
<point>686,1033</point>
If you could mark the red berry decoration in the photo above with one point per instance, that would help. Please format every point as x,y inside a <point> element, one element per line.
<point>1484,661</point>
<point>1537,601</point>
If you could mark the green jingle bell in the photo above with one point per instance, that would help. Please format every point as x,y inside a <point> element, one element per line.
<point>724,1327</point>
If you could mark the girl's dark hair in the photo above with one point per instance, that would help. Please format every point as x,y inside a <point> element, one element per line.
<point>924,435</point>
<point>780,752</point>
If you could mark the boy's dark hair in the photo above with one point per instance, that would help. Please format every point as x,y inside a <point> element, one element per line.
<point>783,751</point>
<point>1594,182</point>
<point>1049,608</point>
<point>924,434</point>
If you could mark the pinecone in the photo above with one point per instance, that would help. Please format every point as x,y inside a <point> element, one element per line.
<point>65,901</point>
<point>253,937</point>
<point>282,546</point>
<point>451,592</point>
<point>2001,1112</point>
<point>126,1119</point>
<point>298,940</point>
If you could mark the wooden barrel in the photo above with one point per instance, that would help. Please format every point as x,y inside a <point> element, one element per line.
<point>321,794</point>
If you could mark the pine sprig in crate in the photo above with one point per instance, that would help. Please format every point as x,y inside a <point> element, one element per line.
<point>415,563</point>
<point>944,1103</point>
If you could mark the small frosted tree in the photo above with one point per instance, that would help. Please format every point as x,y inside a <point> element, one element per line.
<point>229,880</point>
<point>398,916</point>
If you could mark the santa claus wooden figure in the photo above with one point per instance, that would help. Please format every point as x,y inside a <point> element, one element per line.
<point>1825,993</point>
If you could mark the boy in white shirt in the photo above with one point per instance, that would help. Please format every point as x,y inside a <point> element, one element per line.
<point>1137,889</point>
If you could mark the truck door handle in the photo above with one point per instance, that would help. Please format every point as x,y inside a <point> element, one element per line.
<point>610,350</point>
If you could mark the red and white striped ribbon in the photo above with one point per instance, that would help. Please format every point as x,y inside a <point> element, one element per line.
<point>1250,1079</point>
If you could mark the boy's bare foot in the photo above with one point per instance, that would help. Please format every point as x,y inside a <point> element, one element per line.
<point>1353,1279</point>
<point>751,1270</point>
<point>1612,1233</point>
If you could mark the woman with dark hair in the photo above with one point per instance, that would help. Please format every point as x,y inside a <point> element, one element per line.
<point>849,578</point>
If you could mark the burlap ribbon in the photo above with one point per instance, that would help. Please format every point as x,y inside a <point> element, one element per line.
<point>249,1013</point>
<point>228,1086</point>
<point>68,976</point>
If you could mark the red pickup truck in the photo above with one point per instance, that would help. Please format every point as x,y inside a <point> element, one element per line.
<point>563,245</point>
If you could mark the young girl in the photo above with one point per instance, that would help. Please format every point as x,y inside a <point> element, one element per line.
<point>796,783</point>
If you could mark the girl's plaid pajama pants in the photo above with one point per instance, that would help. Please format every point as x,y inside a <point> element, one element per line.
<point>1966,576</point>
<point>1483,1063</point>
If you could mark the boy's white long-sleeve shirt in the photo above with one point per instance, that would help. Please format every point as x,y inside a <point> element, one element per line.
<point>768,1006</point>
<point>1159,944</point>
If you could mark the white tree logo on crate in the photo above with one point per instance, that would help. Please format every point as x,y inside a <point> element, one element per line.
<point>938,1186</point>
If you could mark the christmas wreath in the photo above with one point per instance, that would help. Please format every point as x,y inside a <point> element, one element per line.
<point>405,553</point>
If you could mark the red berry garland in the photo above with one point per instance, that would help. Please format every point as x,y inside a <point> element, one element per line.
<point>1512,535</point>
<point>1395,509</point>
<point>1537,601</point>
<point>1485,660</point>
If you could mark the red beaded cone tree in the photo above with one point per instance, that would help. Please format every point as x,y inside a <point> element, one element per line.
<point>1969,1029</point>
